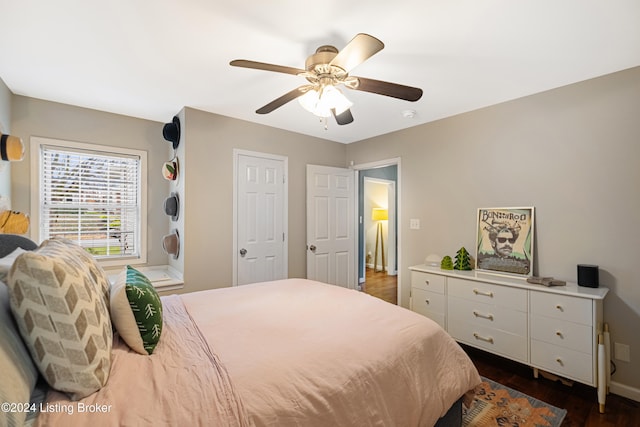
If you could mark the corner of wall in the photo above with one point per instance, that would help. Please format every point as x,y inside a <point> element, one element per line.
<point>178,186</point>
<point>5,127</point>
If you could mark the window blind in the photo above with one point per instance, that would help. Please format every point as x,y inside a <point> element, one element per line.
<point>92,198</point>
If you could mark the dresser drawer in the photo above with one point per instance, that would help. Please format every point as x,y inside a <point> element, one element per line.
<point>493,340</point>
<point>423,301</point>
<point>504,296</point>
<point>427,281</point>
<point>491,316</point>
<point>562,361</point>
<point>563,307</point>
<point>571,335</point>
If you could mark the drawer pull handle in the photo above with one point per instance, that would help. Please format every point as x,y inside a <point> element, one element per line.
<point>426,282</point>
<point>484,316</point>
<point>481,338</point>
<point>559,307</point>
<point>486,294</point>
<point>558,333</point>
<point>427,301</point>
<point>560,362</point>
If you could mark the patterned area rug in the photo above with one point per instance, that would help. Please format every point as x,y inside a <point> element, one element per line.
<point>497,405</point>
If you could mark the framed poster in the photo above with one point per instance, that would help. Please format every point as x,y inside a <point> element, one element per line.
<point>505,240</point>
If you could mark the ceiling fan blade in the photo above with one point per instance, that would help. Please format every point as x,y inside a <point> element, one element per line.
<point>343,118</point>
<point>279,102</point>
<point>264,66</point>
<point>358,50</point>
<point>393,90</point>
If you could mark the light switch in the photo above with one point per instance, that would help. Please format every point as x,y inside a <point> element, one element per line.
<point>414,224</point>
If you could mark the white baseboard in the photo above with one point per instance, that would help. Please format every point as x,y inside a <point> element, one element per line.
<point>625,391</point>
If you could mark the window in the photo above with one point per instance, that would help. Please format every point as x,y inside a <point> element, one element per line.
<point>93,195</point>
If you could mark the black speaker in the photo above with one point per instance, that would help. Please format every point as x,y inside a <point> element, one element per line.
<point>588,275</point>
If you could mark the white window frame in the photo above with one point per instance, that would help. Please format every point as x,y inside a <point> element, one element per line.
<point>36,145</point>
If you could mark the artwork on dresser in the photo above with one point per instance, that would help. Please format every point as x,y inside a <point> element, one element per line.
<point>505,240</point>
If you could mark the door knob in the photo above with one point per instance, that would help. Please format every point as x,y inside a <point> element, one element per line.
<point>313,248</point>
<point>243,252</point>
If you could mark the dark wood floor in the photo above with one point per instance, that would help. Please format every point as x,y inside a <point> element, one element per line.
<point>380,284</point>
<point>579,400</point>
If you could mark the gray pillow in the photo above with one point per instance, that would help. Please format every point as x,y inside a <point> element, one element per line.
<point>9,243</point>
<point>19,374</point>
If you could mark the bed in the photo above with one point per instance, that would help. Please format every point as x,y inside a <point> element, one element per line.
<point>293,352</point>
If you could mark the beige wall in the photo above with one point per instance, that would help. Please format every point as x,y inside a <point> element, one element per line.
<point>573,153</point>
<point>33,117</point>
<point>209,143</point>
<point>5,123</point>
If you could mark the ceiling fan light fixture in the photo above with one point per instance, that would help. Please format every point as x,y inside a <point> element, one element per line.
<point>309,101</point>
<point>335,100</point>
<point>321,102</point>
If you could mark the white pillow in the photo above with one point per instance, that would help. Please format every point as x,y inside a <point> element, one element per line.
<point>7,261</point>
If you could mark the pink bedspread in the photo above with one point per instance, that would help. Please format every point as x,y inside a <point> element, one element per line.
<point>285,353</point>
<point>303,353</point>
<point>181,384</point>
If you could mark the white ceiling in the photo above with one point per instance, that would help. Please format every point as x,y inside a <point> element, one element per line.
<point>151,58</point>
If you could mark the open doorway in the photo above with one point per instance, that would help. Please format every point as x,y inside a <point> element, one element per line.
<point>378,229</point>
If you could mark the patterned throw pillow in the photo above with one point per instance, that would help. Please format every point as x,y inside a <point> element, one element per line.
<point>61,312</point>
<point>97,273</point>
<point>136,311</point>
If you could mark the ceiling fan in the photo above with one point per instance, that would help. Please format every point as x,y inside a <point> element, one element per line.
<point>325,70</point>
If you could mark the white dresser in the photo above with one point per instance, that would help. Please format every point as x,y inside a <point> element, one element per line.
<point>550,328</point>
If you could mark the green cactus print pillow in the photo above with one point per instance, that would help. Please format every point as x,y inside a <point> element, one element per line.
<point>136,311</point>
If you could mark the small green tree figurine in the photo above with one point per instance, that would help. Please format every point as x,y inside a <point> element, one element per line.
<point>462,260</point>
<point>446,263</point>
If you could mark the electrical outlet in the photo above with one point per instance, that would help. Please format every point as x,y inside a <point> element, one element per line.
<point>414,224</point>
<point>622,352</point>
